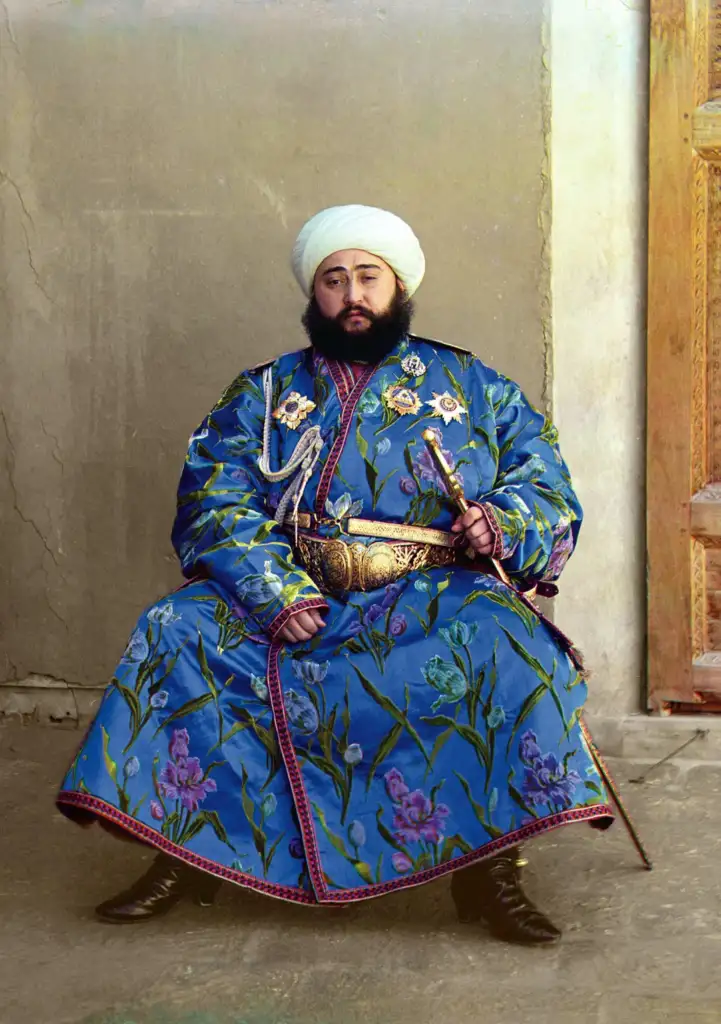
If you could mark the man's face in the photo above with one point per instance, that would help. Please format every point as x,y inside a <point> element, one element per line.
<point>351,283</point>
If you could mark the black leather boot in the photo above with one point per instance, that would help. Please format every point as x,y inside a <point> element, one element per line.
<point>163,885</point>
<point>491,891</point>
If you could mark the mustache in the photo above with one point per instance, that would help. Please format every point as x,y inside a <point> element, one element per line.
<point>345,314</point>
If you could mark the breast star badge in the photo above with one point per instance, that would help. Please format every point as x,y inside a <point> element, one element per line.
<point>293,410</point>
<point>447,406</point>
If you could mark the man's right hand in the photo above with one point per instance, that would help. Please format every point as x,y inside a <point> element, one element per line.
<point>301,626</point>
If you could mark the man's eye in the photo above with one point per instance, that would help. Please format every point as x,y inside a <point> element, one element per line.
<point>369,279</point>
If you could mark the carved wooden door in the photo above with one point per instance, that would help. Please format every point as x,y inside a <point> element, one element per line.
<point>684,358</point>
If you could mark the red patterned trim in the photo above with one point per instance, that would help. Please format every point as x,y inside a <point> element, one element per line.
<point>300,606</point>
<point>336,451</point>
<point>529,831</point>
<point>153,838</point>
<point>325,896</point>
<point>341,377</point>
<point>307,824</point>
<point>491,518</point>
<point>300,797</point>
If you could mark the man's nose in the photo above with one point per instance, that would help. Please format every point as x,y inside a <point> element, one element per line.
<point>352,292</point>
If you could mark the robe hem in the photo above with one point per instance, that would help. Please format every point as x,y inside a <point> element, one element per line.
<point>148,835</point>
<point>325,896</point>
<point>309,836</point>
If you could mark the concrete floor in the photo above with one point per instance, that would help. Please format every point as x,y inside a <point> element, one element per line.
<point>638,947</point>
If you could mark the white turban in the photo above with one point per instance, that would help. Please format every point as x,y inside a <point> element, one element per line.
<point>358,227</point>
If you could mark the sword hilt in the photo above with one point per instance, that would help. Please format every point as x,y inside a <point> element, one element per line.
<point>455,491</point>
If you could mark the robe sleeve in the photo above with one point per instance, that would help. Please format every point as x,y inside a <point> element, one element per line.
<point>223,529</point>
<point>533,510</point>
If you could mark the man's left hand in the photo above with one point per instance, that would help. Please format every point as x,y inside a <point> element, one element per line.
<point>477,531</point>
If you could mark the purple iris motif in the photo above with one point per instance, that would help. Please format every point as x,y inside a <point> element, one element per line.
<point>416,818</point>
<point>395,785</point>
<point>295,848</point>
<point>546,779</point>
<point>559,556</point>
<point>426,470</point>
<point>156,810</point>
<point>402,863</point>
<point>391,593</point>
<point>407,485</point>
<point>182,778</point>
<point>528,748</point>
<point>398,625</point>
<point>179,746</point>
<point>131,767</point>
<point>373,614</point>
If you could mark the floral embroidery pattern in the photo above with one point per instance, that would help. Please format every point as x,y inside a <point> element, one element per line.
<point>293,410</point>
<point>426,720</point>
<point>546,780</point>
<point>182,778</point>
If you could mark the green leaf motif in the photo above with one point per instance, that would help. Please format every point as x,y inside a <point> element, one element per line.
<point>385,748</point>
<point>131,699</point>
<point>205,668</point>
<point>259,839</point>
<point>361,442</point>
<point>263,532</point>
<point>451,844</point>
<point>471,736</point>
<point>477,809</point>
<point>387,836</point>
<point>110,765</point>
<point>518,799</point>
<point>190,708</point>
<point>387,704</point>
<point>526,708</point>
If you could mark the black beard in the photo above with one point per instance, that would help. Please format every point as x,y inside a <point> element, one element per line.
<point>329,337</point>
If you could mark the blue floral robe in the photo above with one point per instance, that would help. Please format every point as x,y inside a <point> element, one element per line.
<point>430,724</point>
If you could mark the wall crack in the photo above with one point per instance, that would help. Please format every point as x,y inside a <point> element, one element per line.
<point>5,178</point>
<point>10,462</point>
<point>9,27</point>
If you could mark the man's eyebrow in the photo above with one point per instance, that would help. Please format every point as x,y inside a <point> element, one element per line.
<point>358,266</point>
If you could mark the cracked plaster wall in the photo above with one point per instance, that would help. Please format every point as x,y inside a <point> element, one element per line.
<point>599,59</point>
<point>156,160</point>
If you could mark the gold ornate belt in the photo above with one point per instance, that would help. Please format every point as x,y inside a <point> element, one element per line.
<point>336,564</point>
<point>378,528</point>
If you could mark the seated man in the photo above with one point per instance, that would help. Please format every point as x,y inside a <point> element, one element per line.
<point>353,693</point>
